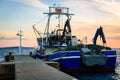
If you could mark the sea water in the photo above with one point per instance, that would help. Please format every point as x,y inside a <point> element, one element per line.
<point>80,76</point>
<point>15,51</point>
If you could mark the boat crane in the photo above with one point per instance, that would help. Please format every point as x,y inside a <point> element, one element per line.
<point>101,33</point>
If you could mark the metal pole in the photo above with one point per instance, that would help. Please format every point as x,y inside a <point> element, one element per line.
<point>20,47</point>
<point>20,42</point>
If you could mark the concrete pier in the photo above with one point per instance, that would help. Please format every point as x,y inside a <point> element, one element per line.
<point>7,71</point>
<point>53,64</point>
<point>28,68</point>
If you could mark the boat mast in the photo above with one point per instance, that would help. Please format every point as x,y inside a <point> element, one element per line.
<point>59,22</point>
<point>55,11</point>
<point>48,23</point>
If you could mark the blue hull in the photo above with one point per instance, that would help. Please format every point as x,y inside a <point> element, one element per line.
<point>70,61</point>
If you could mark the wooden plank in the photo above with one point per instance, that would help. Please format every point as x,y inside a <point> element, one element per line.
<point>31,69</point>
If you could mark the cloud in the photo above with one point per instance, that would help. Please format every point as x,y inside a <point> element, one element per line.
<point>77,3</point>
<point>34,3</point>
<point>10,38</point>
<point>114,38</point>
<point>94,11</point>
<point>109,6</point>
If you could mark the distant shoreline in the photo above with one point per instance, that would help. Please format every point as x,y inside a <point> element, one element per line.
<point>31,47</point>
<point>15,47</point>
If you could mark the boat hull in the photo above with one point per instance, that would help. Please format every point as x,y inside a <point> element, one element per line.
<point>71,61</point>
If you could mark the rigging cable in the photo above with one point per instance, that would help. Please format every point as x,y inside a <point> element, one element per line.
<point>35,30</point>
<point>40,21</point>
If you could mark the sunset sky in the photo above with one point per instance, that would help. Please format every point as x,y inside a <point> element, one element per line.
<point>89,15</point>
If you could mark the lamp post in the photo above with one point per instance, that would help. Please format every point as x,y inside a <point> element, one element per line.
<point>20,47</point>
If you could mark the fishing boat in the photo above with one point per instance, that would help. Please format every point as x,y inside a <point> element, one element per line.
<point>69,51</point>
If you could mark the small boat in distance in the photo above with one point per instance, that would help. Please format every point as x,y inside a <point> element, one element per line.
<point>71,53</point>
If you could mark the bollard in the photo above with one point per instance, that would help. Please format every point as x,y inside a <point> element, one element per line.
<point>31,55</point>
<point>9,57</point>
<point>46,58</point>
